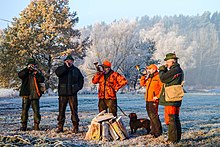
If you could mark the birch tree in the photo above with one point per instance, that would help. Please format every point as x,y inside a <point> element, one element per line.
<point>120,43</point>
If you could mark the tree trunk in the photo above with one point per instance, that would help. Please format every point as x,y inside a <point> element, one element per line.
<point>47,77</point>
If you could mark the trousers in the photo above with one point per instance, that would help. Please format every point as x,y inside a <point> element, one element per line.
<point>73,103</point>
<point>26,103</point>
<point>108,104</point>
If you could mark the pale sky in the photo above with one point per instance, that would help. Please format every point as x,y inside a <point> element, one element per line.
<point>93,11</point>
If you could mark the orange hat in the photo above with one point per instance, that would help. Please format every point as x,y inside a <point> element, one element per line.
<point>106,63</point>
<point>152,66</point>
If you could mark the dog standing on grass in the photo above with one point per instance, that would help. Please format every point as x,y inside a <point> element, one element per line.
<point>138,123</point>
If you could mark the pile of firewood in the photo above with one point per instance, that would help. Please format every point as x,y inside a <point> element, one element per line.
<point>106,127</point>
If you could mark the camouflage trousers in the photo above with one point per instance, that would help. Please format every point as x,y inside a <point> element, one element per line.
<point>109,104</point>
<point>34,103</point>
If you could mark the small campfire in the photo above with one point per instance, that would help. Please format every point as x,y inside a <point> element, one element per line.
<point>106,127</point>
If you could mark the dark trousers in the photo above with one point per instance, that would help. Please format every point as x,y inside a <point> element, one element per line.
<point>73,103</point>
<point>34,103</point>
<point>152,111</point>
<point>108,104</point>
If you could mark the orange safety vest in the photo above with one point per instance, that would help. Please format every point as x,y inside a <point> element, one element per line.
<point>36,86</point>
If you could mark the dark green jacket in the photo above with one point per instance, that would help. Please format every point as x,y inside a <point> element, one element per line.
<point>174,76</point>
<point>71,80</point>
<point>26,76</point>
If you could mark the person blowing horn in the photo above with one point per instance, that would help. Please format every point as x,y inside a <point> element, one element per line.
<point>71,81</point>
<point>153,85</point>
<point>109,83</point>
<point>30,92</point>
<point>171,74</point>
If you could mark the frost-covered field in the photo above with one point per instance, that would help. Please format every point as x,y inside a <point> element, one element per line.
<point>199,115</point>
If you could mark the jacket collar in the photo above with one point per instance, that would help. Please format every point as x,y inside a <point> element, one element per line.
<point>154,74</point>
<point>175,65</point>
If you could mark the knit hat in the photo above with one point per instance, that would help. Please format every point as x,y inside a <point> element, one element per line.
<point>106,63</point>
<point>152,66</point>
<point>31,61</point>
<point>170,56</point>
<point>69,57</point>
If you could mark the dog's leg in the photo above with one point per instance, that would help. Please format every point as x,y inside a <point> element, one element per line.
<point>148,130</point>
<point>131,130</point>
<point>135,130</point>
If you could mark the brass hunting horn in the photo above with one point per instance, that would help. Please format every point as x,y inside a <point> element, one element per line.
<point>141,71</point>
<point>98,66</point>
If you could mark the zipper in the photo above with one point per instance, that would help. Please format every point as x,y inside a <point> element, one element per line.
<point>149,86</point>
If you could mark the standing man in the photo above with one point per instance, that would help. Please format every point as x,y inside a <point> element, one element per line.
<point>153,87</point>
<point>109,83</point>
<point>171,74</point>
<point>30,92</point>
<point>70,82</point>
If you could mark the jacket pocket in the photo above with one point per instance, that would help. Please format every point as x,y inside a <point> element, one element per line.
<point>75,88</point>
<point>62,89</point>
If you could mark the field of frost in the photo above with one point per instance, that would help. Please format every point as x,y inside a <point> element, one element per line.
<point>200,119</point>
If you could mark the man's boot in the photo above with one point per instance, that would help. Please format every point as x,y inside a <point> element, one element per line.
<point>36,126</point>
<point>60,126</point>
<point>75,127</point>
<point>23,126</point>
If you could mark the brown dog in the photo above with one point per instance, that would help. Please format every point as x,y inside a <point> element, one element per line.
<point>138,123</point>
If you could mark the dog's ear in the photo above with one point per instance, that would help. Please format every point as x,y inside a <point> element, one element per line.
<point>133,115</point>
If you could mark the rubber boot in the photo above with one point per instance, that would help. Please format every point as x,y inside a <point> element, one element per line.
<point>59,128</point>
<point>172,129</point>
<point>178,126</point>
<point>36,126</point>
<point>75,127</point>
<point>23,126</point>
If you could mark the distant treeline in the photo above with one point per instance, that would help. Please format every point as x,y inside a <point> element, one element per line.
<point>195,39</point>
<point>126,43</point>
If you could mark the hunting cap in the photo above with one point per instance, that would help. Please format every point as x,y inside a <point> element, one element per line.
<point>106,63</point>
<point>152,66</point>
<point>170,56</point>
<point>69,57</point>
<point>31,61</point>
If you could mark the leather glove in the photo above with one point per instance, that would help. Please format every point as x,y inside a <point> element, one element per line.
<point>163,67</point>
<point>151,75</point>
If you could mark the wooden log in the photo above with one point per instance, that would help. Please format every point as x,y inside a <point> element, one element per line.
<point>105,131</point>
<point>94,132</point>
<point>103,117</point>
<point>122,126</point>
<point>88,134</point>
<point>101,113</point>
<point>113,133</point>
<point>118,130</point>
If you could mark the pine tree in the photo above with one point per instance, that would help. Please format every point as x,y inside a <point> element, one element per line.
<point>44,31</point>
